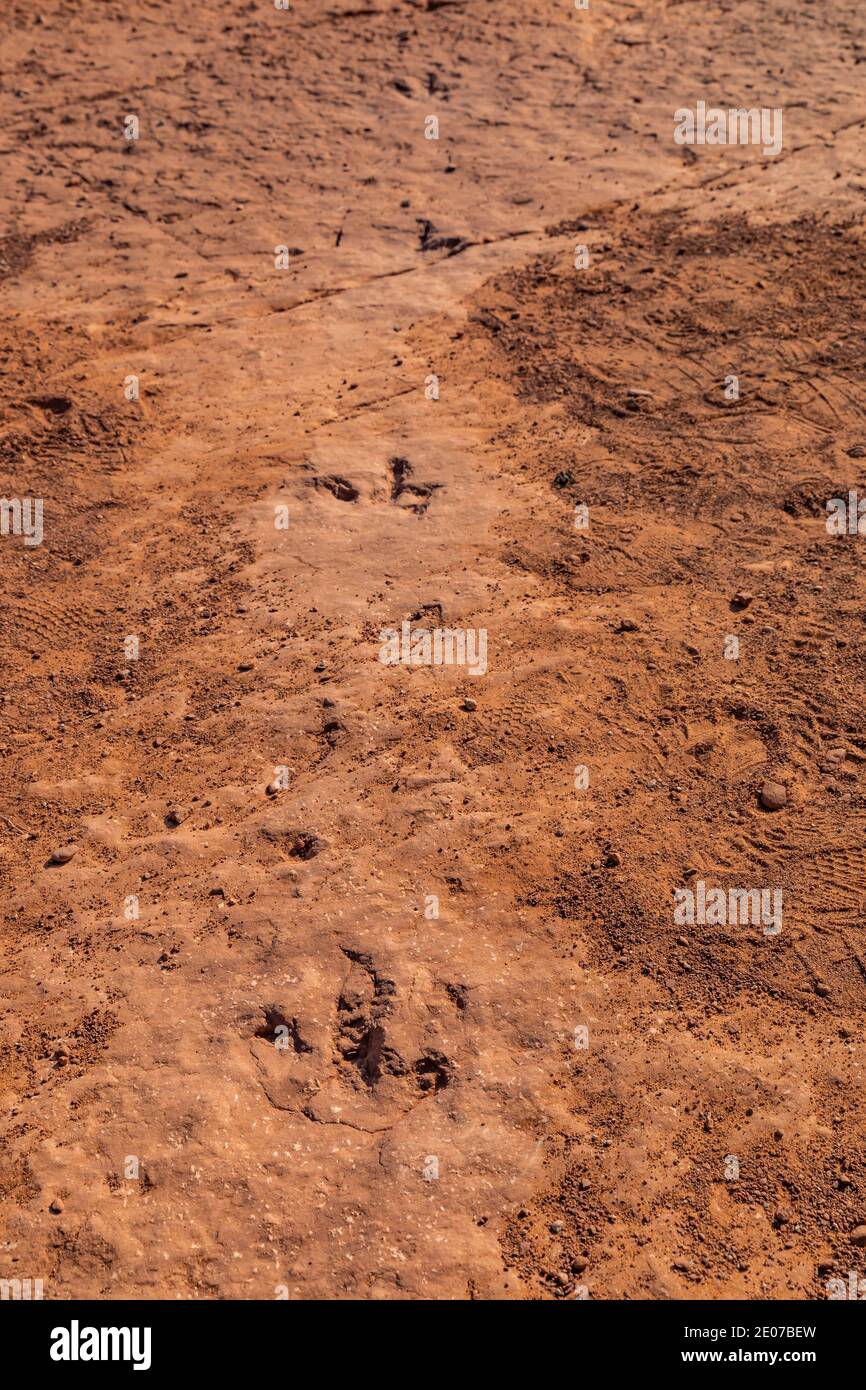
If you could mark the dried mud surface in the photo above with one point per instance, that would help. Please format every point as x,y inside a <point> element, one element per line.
<point>154,1141</point>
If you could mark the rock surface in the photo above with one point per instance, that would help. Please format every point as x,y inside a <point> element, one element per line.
<point>421,1023</point>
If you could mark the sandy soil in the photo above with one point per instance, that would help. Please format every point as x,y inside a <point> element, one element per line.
<point>239,1055</point>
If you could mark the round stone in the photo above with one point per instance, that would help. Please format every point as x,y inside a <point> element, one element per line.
<point>774,796</point>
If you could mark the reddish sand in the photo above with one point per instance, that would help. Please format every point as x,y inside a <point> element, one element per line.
<point>240,1055</point>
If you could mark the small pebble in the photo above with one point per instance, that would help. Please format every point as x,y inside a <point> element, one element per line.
<point>858,1236</point>
<point>773,796</point>
<point>62,856</point>
<point>56,1206</point>
<point>470,705</point>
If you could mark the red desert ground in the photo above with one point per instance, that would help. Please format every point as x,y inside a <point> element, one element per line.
<point>419,438</point>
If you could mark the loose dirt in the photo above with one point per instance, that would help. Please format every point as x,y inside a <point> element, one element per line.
<point>325,977</point>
